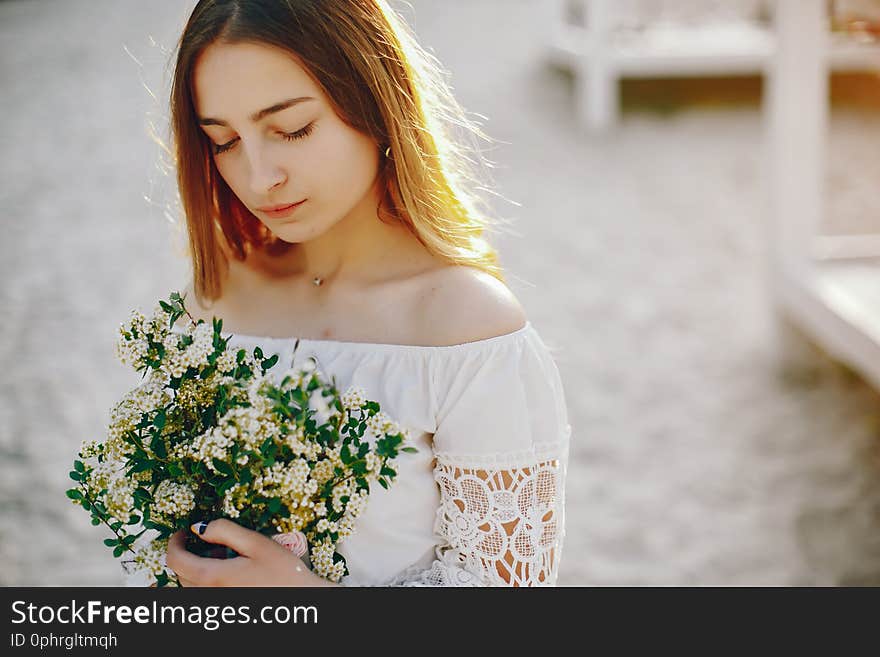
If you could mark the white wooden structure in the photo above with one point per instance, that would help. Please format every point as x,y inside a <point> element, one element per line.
<point>600,53</point>
<point>829,287</point>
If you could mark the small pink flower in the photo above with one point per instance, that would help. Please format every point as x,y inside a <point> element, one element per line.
<point>296,542</point>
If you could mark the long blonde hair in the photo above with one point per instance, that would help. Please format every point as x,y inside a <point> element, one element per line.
<point>379,81</point>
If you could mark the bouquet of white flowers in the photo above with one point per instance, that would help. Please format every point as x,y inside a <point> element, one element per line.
<point>209,433</point>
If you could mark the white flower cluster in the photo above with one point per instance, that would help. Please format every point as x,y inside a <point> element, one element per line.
<point>345,489</point>
<point>213,444</point>
<point>302,467</point>
<point>127,413</point>
<point>150,558</point>
<point>321,556</point>
<point>234,500</point>
<point>225,362</point>
<point>248,426</point>
<point>380,423</point>
<point>353,397</point>
<point>131,346</point>
<point>372,463</point>
<point>102,473</point>
<point>173,499</point>
<point>176,362</point>
<point>91,449</point>
<point>256,388</point>
<point>290,481</point>
<point>133,342</point>
<point>322,471</point>
<point>296,440</point>
<point>119,498</point>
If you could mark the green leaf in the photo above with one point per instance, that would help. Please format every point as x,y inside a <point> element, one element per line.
<point>149,524</point>
<point>79,466</point>
<point>223,467</point>
<point>142,466</point>
<point>110,542</point>
<point>225,486</point>
<point>96,521</point>
<point>383,483</point>
<point>157,444</point>
<point>118,550</point>
<point>74,494</point>
<point>142,494</point>
<point>409,450</point>
<point>267,447</point>
<point>258,353</point>
<point>388,472</point>
<point>75,475</point>
<point>274,505</point>
<point>159,420</point>
<point>239,357</point>
<point>133,520</point>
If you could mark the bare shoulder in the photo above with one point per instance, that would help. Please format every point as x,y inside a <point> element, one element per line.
<point>461,304</point>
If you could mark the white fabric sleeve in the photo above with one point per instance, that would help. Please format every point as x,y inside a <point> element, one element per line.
<point>501,452</point>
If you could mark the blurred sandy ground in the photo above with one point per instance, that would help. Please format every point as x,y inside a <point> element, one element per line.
<point>640,259</point>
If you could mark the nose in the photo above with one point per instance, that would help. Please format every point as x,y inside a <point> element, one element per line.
<point>266,174</point>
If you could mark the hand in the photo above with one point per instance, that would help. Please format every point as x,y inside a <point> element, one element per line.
<point>260,561</point>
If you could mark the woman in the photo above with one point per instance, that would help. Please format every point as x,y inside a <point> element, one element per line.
<point>327,208</point>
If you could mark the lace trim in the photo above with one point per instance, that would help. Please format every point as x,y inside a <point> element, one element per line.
<point>453,569</point>
<point>499,527</point>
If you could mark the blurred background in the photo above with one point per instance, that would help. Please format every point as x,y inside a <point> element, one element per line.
<point>696,238</point>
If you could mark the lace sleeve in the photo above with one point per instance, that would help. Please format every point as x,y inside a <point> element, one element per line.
<point>500,457</point>
<point>497,525</point>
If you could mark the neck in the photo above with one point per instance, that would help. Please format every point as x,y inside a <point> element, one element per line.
<point>351,250</point>
<point>349,246</point>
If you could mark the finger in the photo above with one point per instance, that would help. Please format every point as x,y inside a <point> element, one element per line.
<point>184,563</point>
<point>246,542</point>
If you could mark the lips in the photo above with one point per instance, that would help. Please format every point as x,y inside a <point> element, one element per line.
<point>283,212</point>
<point>276,208</point>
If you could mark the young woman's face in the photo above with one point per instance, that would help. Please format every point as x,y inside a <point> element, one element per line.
<point>303,152</point>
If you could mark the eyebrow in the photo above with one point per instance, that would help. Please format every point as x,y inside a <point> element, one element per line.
<point>263,113</point>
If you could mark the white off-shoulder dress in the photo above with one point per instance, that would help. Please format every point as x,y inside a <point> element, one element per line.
<point>482,501</point>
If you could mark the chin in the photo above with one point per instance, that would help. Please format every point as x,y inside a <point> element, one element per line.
<point>295,232</point>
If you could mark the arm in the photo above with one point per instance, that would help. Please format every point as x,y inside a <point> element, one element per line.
<point>500,526</point>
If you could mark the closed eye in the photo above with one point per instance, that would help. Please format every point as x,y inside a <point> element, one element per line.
<point>289,136</point>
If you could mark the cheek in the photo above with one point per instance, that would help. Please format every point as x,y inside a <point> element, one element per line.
<point>350,162</point>
<point>227,172</point>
